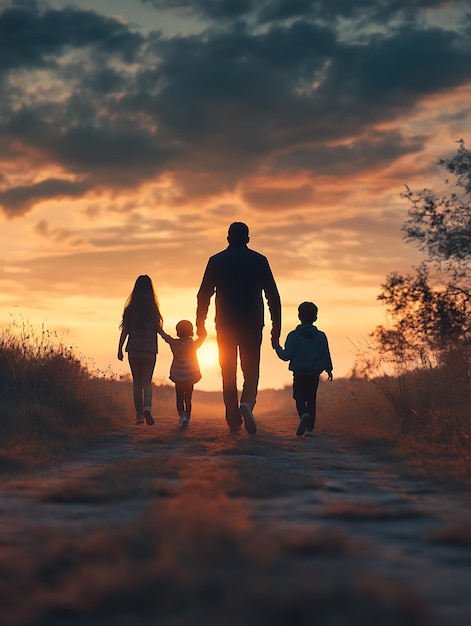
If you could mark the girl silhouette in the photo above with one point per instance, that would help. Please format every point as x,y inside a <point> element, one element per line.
<point>140,323</point>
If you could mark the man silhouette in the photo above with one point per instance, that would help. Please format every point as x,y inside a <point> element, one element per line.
<point>239,276</point>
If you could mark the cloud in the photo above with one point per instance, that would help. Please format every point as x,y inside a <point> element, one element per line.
<point>362,155</point>
<point>213,9</point>
<point>279,10</point>
<point>93,99</point>
<point>273,198</point>
<point>31,38</point>
<point>17,200</point>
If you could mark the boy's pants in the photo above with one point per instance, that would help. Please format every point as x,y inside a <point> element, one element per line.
<point>305,394</point>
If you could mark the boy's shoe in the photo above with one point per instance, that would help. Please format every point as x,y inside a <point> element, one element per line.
<point>302,424</point>
<point>184,421</point>
<point>139,419</point>
<point>308,433</point>
<point>249,420</point>
<point>148,416</point>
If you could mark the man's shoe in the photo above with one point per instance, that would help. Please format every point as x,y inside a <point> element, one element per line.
<point>139,419</point>
<point>249,420</point>
<point>302,424</point>
<point>308,433</point>
<point>235,430</point>
<point>148,417</point>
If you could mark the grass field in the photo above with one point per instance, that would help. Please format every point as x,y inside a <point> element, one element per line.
<point>53,406</point>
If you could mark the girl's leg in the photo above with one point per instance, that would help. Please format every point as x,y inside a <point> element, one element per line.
<point>148,359</point>
<point>142,367</point>
<point>136,370</point>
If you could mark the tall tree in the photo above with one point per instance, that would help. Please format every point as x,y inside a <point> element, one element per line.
<point>430,310</point>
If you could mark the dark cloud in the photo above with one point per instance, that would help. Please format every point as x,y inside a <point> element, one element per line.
<point>213,9</point>
<point>399,68</point>
<point>17,200</point>
<point>369,154</point>
<point>279,10</point>
<point>213,109</point>
<point>29,38</point>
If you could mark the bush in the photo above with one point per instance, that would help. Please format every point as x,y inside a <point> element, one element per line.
<point>47,392</point>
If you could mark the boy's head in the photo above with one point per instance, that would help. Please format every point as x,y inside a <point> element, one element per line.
<point>184,328</point>
<point>307,312</point>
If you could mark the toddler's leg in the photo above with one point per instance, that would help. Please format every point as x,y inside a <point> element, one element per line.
<point>188,397</point>
<point>180,397</point>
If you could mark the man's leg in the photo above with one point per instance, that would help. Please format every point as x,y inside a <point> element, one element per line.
<point>228,361</point>
<point>249,347</point>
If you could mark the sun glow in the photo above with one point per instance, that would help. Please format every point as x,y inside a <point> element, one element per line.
<point>208,354</point>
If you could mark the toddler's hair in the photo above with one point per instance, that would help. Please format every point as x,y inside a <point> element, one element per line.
<point>307,312</point>
<point>184,328</point>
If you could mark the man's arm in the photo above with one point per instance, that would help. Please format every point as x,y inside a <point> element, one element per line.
<point>199,340</point>
<point>274,305</point>
<point>205,293</point>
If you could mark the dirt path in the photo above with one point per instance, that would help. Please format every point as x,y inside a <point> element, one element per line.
<point>357,538</point>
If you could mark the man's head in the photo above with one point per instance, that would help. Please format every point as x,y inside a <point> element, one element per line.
<point>238,234</point>
<point>307,312</point>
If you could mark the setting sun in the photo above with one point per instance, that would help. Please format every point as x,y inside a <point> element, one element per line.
<point>208,354</point>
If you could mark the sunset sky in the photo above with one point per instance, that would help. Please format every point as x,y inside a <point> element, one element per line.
<point>133,132</point>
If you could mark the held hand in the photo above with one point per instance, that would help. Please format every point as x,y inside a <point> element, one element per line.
<point>120,355</point>
<point>330,375</point>
<point>201,332</point>
<point>275,339</point>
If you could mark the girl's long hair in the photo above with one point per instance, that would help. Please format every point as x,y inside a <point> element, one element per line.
<point>142,306</point>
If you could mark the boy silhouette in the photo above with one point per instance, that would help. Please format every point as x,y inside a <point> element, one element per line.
<point>307,350</point>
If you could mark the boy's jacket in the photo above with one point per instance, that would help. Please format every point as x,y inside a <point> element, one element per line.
<point>307,350</point>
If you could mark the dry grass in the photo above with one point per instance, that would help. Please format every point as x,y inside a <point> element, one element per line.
<point>197,559</point>
<point>360,511</point>
<point>435,444</point>
<point>196,555</point>
<point>52,405</point>
<point>457,534</point>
